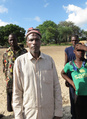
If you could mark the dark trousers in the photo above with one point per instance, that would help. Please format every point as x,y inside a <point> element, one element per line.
<point>81,107</point>
<point>72,101</point>
<point>9,101</point>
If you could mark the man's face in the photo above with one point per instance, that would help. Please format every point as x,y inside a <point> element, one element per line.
<point>74,40</point>
<point>34,42</point>
<point>12,40</point>
<point>79,53</point>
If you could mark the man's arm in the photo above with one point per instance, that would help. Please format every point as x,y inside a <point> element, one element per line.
<point>66,58</point>
<point>57,95</point>
<point>17,92</point>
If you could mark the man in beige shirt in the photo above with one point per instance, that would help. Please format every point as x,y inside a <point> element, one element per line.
<point>36,88</point>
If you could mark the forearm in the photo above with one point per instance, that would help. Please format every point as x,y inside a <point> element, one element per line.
<point>67,78</point>
<point>17,101</point>
<point>17,107</point>
<point>58,112</point>
<point>66,58</point>
<point>58,102</point>
<point>64,75</point>
<point>17,93</point>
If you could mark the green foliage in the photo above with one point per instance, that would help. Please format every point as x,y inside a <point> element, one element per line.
<point>8,29</point>
<point>49,32</point>
<point>52,33</point>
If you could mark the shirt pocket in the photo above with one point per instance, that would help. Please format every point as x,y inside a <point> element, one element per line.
<point>47,76</point>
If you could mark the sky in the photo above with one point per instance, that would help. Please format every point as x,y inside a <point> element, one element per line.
<point>32,13</point>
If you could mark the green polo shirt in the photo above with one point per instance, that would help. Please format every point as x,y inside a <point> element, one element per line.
<point>79,76</point>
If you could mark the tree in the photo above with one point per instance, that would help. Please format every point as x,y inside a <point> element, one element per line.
<point>64,33</point>
<point>49,32</point>
<point>1,36</point>
<point>66,29</point>
<point>8,29</point>
<point>52,34</point>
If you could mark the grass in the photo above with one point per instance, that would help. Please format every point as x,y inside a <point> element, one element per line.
<point>62,44</point>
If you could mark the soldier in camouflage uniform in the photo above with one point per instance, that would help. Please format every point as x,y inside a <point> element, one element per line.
<point>8,61</point>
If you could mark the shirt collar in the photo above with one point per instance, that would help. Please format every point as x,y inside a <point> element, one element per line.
<point>31,57</point>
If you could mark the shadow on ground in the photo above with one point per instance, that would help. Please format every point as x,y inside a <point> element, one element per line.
<point>66,114</point>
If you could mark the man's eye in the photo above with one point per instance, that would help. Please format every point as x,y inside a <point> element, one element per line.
<point>31,39</point>
<point>37,39</point>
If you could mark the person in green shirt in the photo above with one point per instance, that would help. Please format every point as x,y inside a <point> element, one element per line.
<point>78,69</point>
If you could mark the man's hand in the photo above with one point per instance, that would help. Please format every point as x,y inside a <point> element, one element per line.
<point>56,117</point>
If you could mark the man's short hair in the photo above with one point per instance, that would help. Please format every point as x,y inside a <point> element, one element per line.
<point>76,36</point>
<point>12,34</point>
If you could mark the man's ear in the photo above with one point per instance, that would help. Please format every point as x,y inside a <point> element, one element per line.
<point>40,42</point>
<point>26,43</point>
<point>8,41</point>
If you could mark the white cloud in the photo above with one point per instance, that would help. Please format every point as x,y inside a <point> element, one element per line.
<point>76,14</point>
<point>2,23</point>
<point>3,9</point>
<point>46,4</point>
<point>37,19</point>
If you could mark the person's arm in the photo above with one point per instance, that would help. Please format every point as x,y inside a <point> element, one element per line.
<point>66,58</point>
<point>64,75</point>
<point>17,92</point>
<point>5,64</point>
<point>57,95</point>
<point>3,60</point>
<point>81,47</point>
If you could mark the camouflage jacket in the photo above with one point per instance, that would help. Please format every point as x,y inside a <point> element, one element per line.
<point>8,61</point>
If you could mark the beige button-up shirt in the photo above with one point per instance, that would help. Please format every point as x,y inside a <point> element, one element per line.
<point>36,88</point>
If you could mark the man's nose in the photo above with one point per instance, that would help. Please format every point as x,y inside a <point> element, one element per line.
<point>34,41</point>
<point>11,41</point>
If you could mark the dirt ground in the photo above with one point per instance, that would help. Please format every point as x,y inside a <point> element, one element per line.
<point>57,53</point>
